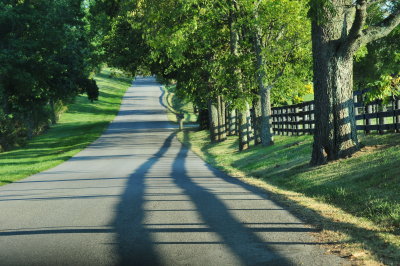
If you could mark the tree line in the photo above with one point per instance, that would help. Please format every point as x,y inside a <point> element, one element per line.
<point>233,59</point>
<point>46,58</point>
<point>239,57</point>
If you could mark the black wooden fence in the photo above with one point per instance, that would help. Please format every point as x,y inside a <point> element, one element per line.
<point>298,119</point>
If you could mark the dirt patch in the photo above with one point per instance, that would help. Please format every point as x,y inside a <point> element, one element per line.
<point>369,149</point>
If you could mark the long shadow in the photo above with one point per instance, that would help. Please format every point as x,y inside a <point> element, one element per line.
<point>134,241</point>
<point>372,240</point>
<point>246,245</point>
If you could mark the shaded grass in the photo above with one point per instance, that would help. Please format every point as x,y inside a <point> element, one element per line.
<point>355,202</point>
<point>79,126</point>
<point>357,198</point>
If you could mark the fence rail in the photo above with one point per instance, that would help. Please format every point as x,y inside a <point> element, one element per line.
<point>298,119</point>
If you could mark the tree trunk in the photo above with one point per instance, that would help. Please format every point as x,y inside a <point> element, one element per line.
<point>53,115</point>
<point>267,138</point>
<point>213,118</point>
<point>243,130</point>
<point>336,35</point>
<point>232,122</point>
<point>221,119</point>
<point>250,133</point>
<point>256,118</point>
<point>335,133</point>
<point>265,94</point>
<point>203,119</point>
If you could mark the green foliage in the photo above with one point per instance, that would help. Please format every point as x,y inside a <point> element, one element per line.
<point>46,57</point>
<point>11,132</point>
<point>384,89</point>
<point>381,57</point>
<point>117,33</point>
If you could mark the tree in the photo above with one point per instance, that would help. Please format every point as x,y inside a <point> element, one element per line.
<point>339,29</point>
<point>44,56</point>
<point>280,40</point>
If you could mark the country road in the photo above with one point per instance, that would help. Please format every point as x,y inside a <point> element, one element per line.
<point>136,196</point>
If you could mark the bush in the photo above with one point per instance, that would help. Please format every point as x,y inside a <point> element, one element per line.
<point>12,132</point>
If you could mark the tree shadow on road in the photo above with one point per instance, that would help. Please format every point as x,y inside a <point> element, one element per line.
<point>134,241</point>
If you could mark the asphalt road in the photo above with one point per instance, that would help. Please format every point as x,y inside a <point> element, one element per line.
<point>136,196</point>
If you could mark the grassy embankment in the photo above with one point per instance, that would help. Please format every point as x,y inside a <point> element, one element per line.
<point>355,202</point>
<point>80,125</point>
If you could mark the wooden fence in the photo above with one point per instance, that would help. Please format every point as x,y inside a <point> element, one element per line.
<point>298,119</point>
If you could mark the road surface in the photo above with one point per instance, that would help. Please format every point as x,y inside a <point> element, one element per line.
<point>136,196</point>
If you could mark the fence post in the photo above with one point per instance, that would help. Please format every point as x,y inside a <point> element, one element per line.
<point>296,119</point>
<point>274,120</point>
<point>306,119</point>
<point>368,110</point>
<point>381,118</point>
<point>312,118</point>
<point>284,125</point>
<point>397,118</point>
<point>355,105</point>
<point>279,120</point>
<point>355,100</point>
<point>290,120</point>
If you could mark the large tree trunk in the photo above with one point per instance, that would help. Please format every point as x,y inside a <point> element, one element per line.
<point>264,92</point>
<point>335,133</point>
<point>336,35</point>
<point>267,138</point>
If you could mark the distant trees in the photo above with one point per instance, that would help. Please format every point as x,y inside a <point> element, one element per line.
<point>45,60</point>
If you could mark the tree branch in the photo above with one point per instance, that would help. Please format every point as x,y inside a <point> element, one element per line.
<point>382,29</point>
<point>371,2</point>
<point>356,29</point>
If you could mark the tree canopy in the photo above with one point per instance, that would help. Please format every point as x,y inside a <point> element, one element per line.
<point>231,58</point>
<point>45,59</point>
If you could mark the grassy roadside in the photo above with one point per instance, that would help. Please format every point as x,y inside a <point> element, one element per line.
<point>355,202</point>
<point>79,126</point>
<point>177,105</point>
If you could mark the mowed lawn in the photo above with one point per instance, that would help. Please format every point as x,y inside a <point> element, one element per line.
<point>360,196</point>
<point>355,202</point>
<point>367,185</point>
<point>79,126</point>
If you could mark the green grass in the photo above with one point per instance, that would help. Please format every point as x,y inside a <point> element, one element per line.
<point>355,202</point>
<point>178,105</point>
<point>79,126</point>
<point>365,186</point>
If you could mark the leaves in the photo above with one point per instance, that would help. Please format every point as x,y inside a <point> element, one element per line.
<point>384,89</point>
<point>45,55</point>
